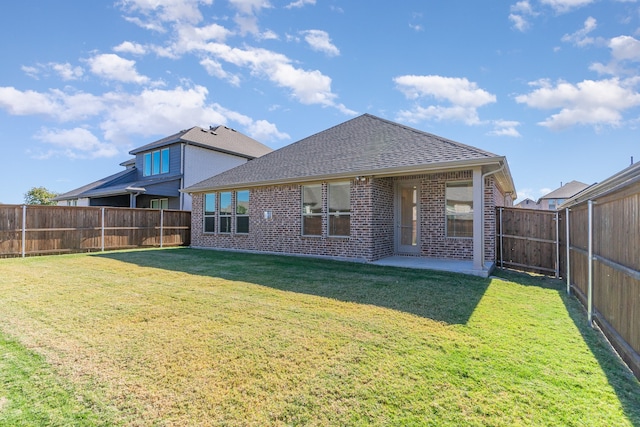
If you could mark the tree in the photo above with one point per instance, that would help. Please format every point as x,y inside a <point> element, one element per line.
<point>39,196</point>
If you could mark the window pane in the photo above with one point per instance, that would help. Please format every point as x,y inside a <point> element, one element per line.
<point>311,199</point>
<point>339,197</point>
<point>154,203</point>
<point>459,197</point>
<point>225,224</point>
<point>210,204</point>
<point>164,203</point>
<point>339,225</point>
<point>210,224</point>
<point>156,163</point>
<point>165,161</point>
<point>312,225</point>
<point>242,202</point>
<point>242,224</point>
<point>147,164</point>
<point>225,203</point>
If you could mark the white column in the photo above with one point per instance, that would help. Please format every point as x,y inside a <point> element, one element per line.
<point>478,226</point>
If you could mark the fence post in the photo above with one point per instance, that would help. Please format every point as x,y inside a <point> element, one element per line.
<point>102,228</point>
<point>24,230</point>
<point>501,241</point>
<point>557,245</point>
<point>161,226</point>
<point>568,263</point>
<point>590,266</point>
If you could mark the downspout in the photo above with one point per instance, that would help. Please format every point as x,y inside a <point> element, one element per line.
<point>482,212</point>
<point>182,169</point>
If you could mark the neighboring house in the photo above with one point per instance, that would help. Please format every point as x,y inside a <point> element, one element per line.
<point>363,190</point>
<point>552,200</point>
<point>528,204</point>
<point>153,178</point>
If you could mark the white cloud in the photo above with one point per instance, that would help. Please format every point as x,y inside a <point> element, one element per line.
<point>505,128</point>
<point>156,111</point>
<point>76,143</point>
<point>459,91</point>
<point>300,3</point>
<point>308,87</point>
<point>162,112</point>
<point>562,6</point>
<point>165,10</point>
<point>261,130</point>
<point>589,102</point>
<point>624,49</point>
<point>214,68</point>
<point>250,6</point>
<point>55,104</point>
<point>320,41</point>
<point>130,47</point>
<point>66,71</point>
<point>246,18</point>
<point>520,12</point>
<point>465,96</point>
<point>579,38</point>
<point>113,67</point>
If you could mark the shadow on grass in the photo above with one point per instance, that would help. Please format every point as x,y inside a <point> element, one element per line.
<point>444,297</point>
<point>621,379</point>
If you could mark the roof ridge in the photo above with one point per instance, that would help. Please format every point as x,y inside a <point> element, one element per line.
<point>433,135</point>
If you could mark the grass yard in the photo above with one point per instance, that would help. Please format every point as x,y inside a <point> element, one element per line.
<point>191,337</point>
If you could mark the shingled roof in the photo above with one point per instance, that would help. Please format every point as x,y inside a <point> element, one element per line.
<point>220,138</point>
<point>366,145</point>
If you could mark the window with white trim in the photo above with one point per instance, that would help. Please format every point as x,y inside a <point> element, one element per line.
<point>225,211</point>
<point>159,204</point>
<point>339,199</point>
<point>156,162</point>
<point>312,210</point>
<point>242,211</point>
<point>210,213</point>
<point>459,209</point>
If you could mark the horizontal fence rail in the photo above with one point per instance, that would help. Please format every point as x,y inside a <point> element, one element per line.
<point>27,230</point>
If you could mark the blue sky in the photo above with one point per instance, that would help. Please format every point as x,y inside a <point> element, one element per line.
<point>553,85</point>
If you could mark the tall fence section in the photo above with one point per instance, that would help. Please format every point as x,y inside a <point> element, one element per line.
<point>594,245</point>
<point>27,230</point>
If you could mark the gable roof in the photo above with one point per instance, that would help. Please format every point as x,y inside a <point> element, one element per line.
<point>221,138</point>
<point>366,145</point>
<point>570,189</point>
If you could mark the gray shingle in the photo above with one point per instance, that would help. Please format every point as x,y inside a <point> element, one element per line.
<point>358,146</point>
<point>221,139</point>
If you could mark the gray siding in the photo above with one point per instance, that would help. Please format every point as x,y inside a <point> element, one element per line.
<point>174,163</point>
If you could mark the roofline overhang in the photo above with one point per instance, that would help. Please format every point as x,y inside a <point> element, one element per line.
<point>486,164</point>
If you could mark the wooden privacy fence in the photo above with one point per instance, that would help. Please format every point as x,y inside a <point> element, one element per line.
<point>528,240</point>
<point>39,230</point>
<point>594,244</point>
<point>601,264</point>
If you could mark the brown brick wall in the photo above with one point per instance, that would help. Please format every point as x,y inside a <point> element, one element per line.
<point>372,221</point>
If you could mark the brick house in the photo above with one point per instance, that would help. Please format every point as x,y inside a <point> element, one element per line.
<point>363,190</point>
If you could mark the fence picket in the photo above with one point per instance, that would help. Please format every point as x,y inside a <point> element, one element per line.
<point>64,229</point>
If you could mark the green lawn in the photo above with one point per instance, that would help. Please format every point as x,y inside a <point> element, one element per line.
<point>192,337</point>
